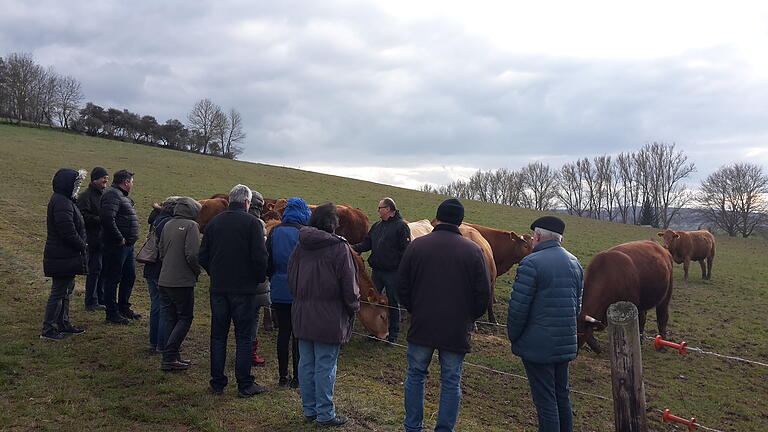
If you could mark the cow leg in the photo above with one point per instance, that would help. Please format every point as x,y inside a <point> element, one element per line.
<point>491,315</point>
<point>592,343</point>
<point>703,269</point>
<point>662,317</point>
<point>641,321</point>
<point>686,264</point>
<point>709,267</point>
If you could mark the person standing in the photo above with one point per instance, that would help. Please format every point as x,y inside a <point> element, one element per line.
<point>444,285</point>
<point>120,230</point>
<point>280,244</point>
<point>179,250</point>
<point>541,323</point>
<point>387,241</point>
<point>321,277</point>
<point>89,202</point>
<point>65,254</point>
<point>262,292</point>
<point>234,254</point>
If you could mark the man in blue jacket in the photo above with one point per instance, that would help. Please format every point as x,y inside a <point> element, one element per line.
<point>541,323</point>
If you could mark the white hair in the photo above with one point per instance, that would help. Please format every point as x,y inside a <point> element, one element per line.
<point>548,235</point>
<point>240,194</point>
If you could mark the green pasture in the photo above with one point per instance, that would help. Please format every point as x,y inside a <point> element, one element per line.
<point>107,379</point>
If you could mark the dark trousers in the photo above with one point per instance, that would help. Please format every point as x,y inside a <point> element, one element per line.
<point>549,388</point>
<point>178,306</point>
<point>57,307</point>
<point>94,282</point>
<point>385,281</point>
<point>226,309</point>
<point>282,313</point>
<point>118,268</point>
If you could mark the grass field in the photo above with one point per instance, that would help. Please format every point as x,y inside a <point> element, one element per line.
<point>107,379</point>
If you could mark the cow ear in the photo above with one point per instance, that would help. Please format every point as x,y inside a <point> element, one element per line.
<point>677,235</point>
<point>660,234</point>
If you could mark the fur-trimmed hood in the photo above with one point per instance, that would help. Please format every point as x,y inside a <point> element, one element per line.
<point>67,181</point>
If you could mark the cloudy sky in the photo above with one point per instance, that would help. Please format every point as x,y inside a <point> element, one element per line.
<point>410,92</point>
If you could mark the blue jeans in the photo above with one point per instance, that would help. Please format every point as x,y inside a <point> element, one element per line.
<point>451,364</point>
<point>317,375</point>
<point>386,282</point>
<point>237,309</point>
<point>94,282</point>
<point>549,388</point>
<point>156,316</point>
<point>118,268</point>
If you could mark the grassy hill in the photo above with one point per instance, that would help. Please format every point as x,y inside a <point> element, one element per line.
<point>107,379</point>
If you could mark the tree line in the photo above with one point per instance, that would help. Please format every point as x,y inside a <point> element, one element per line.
<point>33,94</point>
<point>645,187</point>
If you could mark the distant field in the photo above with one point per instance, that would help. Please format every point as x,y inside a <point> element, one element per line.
<point>107,379</point>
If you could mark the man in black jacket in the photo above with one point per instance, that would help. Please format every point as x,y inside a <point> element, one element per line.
<point>65,252</point>
<point>234,254</point>
<point>444,284</point>
<point>89,202</point>
<point>387,241</point>
<point>120,230</point>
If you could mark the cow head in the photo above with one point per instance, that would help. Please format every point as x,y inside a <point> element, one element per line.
<point>585,326</point>
<point>669,237</point>
<point>375,317</point>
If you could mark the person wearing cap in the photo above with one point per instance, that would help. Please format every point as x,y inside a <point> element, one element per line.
<point>387,240</point>
<point>119,232</point>
<point>262,293</point>
<point>444,284</point>
<point>541,323</point>
<point>89,203</point>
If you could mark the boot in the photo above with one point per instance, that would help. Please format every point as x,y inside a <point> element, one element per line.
<point>256,360</point>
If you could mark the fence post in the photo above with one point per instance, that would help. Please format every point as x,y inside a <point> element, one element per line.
<point>626,368</point>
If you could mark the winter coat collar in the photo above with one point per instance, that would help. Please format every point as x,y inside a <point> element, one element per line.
<point>236,206</point>
<point>448,227</point>
<point>313,238</point>
<point>546,245</point>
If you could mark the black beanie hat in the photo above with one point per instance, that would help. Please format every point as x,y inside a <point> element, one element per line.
<point>98,173</point>
<point>549,223</point>
<point>451,211</point>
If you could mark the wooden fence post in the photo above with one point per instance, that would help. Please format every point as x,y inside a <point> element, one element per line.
<point>626,368</point>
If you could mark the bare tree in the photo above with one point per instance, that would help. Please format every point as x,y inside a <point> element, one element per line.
<point>628,195</point>
<point>22,77</point>
<point>667,169</point>
<point>205,120</point>
<point>571,189</point>
<point>607,180</point>
<point>233,135</point>
<point>69,96</point>
<point>541,185</point>
<point>733,198</point>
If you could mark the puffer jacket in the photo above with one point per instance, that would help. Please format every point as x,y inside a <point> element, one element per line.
<point>89,202</point>
<point>118,218</point>
<point>321,276</point>
<point>65,253</point>
<point>280,244</point>
<point>180,246</point>
<point>544,305</point>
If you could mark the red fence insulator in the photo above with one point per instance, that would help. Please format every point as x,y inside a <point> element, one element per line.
<point>659,342</point>
<point>667,416</point>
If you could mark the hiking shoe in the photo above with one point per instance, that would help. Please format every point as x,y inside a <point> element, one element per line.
<point>334,422</point>
<point>54,336</point>
<point>120,320</point>
<point>215,391</point>
<point>310,419</point>
<point>294,383</point>
<point>173,366</point>
<point>95,308</point>
<point>283,381</point>
<point>72,330</point>
<point>130,314</point>
<point>251,391</point>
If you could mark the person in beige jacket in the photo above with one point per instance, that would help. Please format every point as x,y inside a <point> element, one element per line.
<point>179,249</point>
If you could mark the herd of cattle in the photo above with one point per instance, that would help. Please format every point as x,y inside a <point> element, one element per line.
<point>638,271</point>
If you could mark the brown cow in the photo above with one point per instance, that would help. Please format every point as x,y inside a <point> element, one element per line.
<point>474,235</point>
<point>639,272</point>
<point>210,208</point>
<point>353,223</point>
<point>420,228</point>
<point>508,247</point>
<point>687,246</point>
<point>373,317</point>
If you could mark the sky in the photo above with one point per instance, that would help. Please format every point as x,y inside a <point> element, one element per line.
<point>407,93</point>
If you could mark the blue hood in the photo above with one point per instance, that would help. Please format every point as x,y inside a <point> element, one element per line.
<point>296,211</point>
